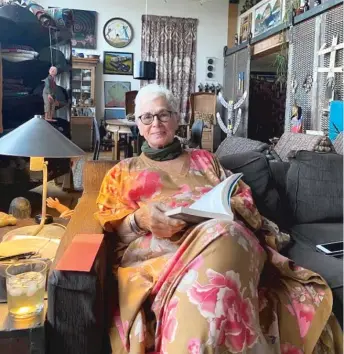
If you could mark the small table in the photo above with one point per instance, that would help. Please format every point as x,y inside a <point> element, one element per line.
<point>24,336</point>
<point>116,127</point>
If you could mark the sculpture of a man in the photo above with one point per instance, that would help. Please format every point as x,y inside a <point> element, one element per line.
<point>49,94</point>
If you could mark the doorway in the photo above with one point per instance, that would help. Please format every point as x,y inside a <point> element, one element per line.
<point>267,97</point>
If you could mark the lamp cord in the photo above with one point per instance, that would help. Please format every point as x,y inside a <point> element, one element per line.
<point>51,52</point>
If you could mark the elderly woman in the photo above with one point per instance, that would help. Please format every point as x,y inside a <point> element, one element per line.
<point>200,289</point>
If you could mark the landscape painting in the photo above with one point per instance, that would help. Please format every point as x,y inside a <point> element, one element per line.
<point>118,63</point>
<point>267,16</point>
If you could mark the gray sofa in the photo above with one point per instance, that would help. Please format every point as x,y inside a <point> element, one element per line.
<point>79,303</point>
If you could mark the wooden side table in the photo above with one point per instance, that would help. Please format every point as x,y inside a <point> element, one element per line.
<point>26,336</point>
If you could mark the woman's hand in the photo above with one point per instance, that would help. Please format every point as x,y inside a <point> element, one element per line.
<point>153,219</point>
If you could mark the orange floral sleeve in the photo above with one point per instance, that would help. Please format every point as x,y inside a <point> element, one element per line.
<point>113,206</point>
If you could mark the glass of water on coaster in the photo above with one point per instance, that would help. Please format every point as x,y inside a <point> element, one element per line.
<point>25,285</point>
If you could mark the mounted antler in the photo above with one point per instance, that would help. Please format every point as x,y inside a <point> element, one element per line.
<point>231,107</point>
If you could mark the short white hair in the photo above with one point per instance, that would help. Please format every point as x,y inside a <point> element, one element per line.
<point>155,91</point>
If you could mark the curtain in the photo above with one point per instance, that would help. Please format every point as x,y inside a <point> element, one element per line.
<point>170,42</point>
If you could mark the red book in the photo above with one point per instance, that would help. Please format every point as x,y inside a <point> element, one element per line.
<point>81,253</point>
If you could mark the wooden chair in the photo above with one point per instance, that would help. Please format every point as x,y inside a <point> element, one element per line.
<point>195,140</point>
<point>130,102</point>
<point>130,110</point>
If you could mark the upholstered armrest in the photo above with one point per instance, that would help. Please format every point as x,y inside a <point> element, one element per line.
<point>76,300</point>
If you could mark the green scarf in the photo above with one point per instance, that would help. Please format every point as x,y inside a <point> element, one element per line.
<point>169,152</point>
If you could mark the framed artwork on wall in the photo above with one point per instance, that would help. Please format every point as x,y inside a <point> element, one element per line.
<point>118,32</point>
<point>84,29</point>
<point>118,63</point>
<point>267,15</point>
<point>245,27</point>
<point>114,93</point>
<point>115,113</point>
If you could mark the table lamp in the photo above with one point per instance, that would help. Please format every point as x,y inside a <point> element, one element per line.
<point>37,139</point>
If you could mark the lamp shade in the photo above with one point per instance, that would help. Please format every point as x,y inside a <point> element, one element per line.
<point>145,70</point>
<point>37,138</point>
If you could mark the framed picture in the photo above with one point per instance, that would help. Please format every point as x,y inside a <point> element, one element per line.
<point>84,29</point>
<point>118,63</point>
<point>118,32</point>
<point>267,15</point>
<point>115,113</point>
<point>114,93</point>
<point>245,27</point>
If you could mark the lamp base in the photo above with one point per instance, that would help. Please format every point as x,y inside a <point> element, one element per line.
<point>48,219</point>
<point>48,231</point>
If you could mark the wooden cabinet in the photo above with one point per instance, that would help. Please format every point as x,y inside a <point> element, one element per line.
<point>82,132</point>
<point>203,106</point>
<point>84,81</point>
<point>84,101</point>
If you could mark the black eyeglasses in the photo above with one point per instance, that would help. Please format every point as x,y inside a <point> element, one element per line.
<point>163,116</point>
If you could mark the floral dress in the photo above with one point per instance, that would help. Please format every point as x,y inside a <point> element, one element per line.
<point>218,287</point>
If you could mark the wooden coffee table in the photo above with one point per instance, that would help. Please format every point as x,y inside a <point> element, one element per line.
<point>23,336</point>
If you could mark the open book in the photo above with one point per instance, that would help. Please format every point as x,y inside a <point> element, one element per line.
<point>216,204</point>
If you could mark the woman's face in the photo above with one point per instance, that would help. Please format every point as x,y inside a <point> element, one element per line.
<point>157,134</point>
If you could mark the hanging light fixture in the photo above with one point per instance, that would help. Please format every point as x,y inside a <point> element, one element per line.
<point>145,70</point>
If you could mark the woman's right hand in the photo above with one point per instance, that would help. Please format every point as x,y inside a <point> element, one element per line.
<point>151,217</point>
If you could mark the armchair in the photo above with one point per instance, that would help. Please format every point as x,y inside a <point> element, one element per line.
<point>80,324</point>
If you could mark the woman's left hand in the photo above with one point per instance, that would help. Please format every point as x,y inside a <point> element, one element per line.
<point>152,218</point>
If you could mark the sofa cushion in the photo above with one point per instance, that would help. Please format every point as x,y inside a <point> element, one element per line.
<point>295,141</point>
<point>315,187</point>
<point>338,143</point>
<point>237,145</point>
<point>257,174</point>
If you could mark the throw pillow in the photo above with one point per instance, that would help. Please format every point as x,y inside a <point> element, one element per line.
<point>294,141</point>
<point>236,145</point>
<point>315,187</point>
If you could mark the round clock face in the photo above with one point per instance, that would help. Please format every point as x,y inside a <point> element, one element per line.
<point>118,32</point>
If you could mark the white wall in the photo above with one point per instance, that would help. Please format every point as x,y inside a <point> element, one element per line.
<point>211,32</point>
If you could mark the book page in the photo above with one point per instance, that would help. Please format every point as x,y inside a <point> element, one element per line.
<point>217,200</point>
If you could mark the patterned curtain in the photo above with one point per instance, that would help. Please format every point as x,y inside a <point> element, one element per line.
<point>1,85</point>
<point>170,42</point>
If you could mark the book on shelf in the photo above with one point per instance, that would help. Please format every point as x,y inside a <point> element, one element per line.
<point>216,204</point>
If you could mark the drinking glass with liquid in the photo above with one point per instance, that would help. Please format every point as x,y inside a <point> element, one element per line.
<point>25,285</point>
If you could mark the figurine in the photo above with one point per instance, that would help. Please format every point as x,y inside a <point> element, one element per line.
<point>200,87</point>
<point>306,6</point>
<point>296,119</point>
<point>49,94</point>
<point>206,88</point>
<point>20,208</point>
<point>64,211</point>
<point>212,88</point>
<point>317,2</point>
<point>236,39</point>
<point>324,146</point>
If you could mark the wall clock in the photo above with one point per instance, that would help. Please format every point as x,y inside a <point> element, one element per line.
<point>118,32</point>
